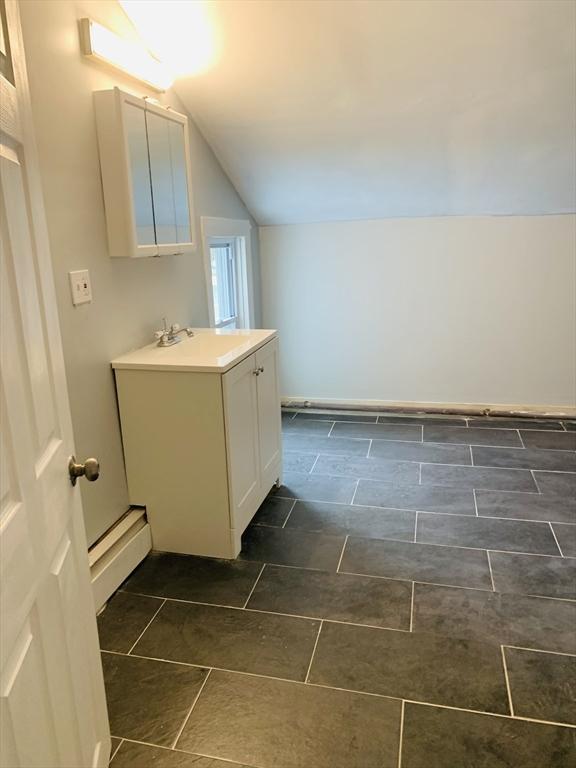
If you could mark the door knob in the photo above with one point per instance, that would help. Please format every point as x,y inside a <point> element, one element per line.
<point>90,470</point>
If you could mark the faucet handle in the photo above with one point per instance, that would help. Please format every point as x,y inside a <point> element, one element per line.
<point>159,334</point>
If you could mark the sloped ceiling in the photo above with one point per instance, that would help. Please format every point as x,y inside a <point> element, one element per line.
<point>344,109</point>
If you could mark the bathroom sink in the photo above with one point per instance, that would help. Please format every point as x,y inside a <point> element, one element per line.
<point>210,350</point>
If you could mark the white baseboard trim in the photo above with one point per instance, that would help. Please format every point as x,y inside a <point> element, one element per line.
<point>117,553</point>
<point>471,409</point>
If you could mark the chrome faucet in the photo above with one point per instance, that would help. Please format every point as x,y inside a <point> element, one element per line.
<point>169,336</point>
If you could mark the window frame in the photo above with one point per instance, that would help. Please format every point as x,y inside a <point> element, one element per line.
<point>238,232</point>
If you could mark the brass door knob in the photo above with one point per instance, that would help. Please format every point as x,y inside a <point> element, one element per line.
<point>90,470</point>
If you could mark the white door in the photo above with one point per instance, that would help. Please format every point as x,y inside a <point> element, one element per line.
<point>240,411</point>
<point>269,415</point>
<point>52,705</point>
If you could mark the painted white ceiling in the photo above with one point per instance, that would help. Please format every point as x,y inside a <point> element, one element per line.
<point>343,109</point>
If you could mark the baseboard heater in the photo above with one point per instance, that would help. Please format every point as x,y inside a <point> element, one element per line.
<point>460,409</point>
<point>115,555</point>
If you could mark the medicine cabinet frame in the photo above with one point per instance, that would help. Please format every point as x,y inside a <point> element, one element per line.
<point>122,178</point>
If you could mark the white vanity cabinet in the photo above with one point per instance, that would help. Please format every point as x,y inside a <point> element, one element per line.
<point>145,167</point>
<point>202,444</point>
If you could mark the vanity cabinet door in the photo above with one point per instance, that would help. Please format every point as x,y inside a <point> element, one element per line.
<point>269,414</point>
<point>241,420</point>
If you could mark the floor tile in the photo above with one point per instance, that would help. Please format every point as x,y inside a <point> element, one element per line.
<point>401,472</point>
<point>566,535</point>
<point>289,547</point>
<point>380,431</point>
<point>447,738</point>
<point>339,416</point>
<point>341,446</point>
<point>229,638</point>
<point>415,497</point>
<point>525,458</point>
<point>534,575</point>
<point>418,562</point>
<point>486,533</point>
<point>305,427</point>
<point>561,441</point>
<point>525,506</point>
<point>430,668</point>
<point>277,724</point>
<point>273,511</point>
<point>559,483</point>
<point>423,419</point>
<point>133,755</point>
<point>494,617</point>
<point>428,452</point>
<point>298,462</point>
<point>148,700</point>
<point>471,436</point>
<point>314,487</point>
<point>124,619</point>
<point>186,577</point>
<point>371,522</point>
<point>357,599</point>
<point>542,685</point>
<point>494,422</point>
<point>478,477</point>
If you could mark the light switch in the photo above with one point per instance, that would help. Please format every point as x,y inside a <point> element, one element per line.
<point>80,286</point>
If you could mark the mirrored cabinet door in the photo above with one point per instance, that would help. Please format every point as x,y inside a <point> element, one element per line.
<point>135,126</point>
<point>161,175</point>
<point>180,182</point>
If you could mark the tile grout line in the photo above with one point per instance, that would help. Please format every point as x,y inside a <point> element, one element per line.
<point>180,730</point>
<point>535,481</point>
<point>419,473</point>
<point>114,752</point>
<point>490,568</point>
<point>415,526</point>
<point>538,650</point>
<point>401,734</point>
<point>342,554</point>
<point>476,504</point>
<point>355,492</point>
<point>313,465</point>
<point>331,428</point>
<point>313,652</point>
<point>287,516</point>
<point>253,586</point>
<point>556,539</point>
<point>146,627</point>
<point>522,443</point>
<point>412,606</point>
<point>507,680</point>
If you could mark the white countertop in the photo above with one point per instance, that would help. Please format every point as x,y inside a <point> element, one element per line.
<point>210,350</point>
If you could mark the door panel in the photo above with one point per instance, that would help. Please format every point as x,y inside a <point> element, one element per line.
<point>240,412</point>
<point>135,126</point>
<point>269,417</point>
<point>52,704</point>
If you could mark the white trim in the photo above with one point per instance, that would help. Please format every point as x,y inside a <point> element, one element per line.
<point>241,231</point>
<point>410,407</point>
<point>118,555</point>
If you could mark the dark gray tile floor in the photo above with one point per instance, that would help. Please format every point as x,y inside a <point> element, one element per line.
<point>407,599</point>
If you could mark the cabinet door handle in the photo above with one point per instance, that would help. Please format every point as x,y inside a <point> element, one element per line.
<point>258,371</point>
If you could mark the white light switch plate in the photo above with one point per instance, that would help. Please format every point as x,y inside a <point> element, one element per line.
<point>80,286</point>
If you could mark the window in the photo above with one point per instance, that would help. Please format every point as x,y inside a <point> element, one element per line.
<point>228,268</point>
<point>223,263</point>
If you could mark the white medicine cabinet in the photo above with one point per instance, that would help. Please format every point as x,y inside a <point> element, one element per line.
<point>145,165</point>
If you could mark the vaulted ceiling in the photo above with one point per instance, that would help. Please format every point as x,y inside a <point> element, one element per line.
<point>344,109</point>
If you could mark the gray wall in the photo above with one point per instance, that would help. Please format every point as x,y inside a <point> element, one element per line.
<point>129,296</point>
<point>450,310</point>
